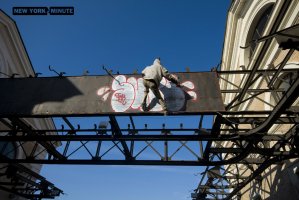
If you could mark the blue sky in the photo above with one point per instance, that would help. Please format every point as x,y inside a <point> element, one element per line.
<point>124,35</point>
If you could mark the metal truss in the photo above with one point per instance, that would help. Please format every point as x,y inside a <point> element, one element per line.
<point>227,181</point>
<point>111,145</point>
<point>236,137</point>
<point>19,180</point>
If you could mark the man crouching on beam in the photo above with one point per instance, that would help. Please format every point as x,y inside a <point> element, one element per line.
<point>152,76</point>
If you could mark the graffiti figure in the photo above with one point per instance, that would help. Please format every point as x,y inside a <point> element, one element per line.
<point>152,76</point>
<point>126,93</point>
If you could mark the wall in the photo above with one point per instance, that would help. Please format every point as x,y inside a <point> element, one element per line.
<point>278,181</point>
<point>14,59</point>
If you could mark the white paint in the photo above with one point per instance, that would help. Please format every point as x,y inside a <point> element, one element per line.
<point>139,91</point>
<point>124,94</point>
<point>188,84</point>
<point>104,92</point>
<point>193,95</point>
<point>128,93</point>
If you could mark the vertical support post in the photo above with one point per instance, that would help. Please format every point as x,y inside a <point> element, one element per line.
<point>97,154</point>
<point>165,150</point>
<point>133,132</point>
<point>165,144</point>
<point>200,142</point>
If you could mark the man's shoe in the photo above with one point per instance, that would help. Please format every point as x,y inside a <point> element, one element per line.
<point>165,112</point>
<point>144,108</point>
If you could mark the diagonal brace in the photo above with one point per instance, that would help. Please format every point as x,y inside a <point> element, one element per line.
<point>117,132</point>
<point>50,148</point>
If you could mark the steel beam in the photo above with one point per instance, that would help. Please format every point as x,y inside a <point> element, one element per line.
<point>116,130</point>
<point>151,137</point>
<point>285,102</point>
<point>267,163</point>
<point>215,131</point>
<point>261,151</point>
<point>233,72</point>
<point>50,148</point>
<point>253,90</point>
<point>216,186</point>
<point>284,62</point>
<point>26,178</point>
<point>235,160</point>
<point>259,120</point>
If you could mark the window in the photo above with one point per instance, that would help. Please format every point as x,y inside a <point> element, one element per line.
<point>257,29</point>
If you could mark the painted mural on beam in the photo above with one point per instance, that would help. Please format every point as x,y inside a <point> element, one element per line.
<point>128,92</point>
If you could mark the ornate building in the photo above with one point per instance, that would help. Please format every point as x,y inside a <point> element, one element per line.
<point>19,181</point>
<point>251,47</point>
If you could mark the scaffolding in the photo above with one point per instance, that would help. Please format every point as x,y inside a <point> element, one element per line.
<point>235,137</point>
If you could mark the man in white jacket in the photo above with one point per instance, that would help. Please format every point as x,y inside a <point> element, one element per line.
<point>152,76</point>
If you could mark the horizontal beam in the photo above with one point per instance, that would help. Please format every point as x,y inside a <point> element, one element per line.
<point>261,151</point>
<point>104,95</point>
<point>233,72</point>
<point>200,137</point>
<point>100,130</point>
<point>252,90</point>
<point>98,161</point>
<point>216,186</point>
<point>252,120</point>
<point>179,113</point>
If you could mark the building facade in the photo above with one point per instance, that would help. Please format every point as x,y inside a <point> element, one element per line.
<point>246,48</point>
<point>15,62</point>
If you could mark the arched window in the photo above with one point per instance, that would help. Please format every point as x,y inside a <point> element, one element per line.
<point>257,29</point>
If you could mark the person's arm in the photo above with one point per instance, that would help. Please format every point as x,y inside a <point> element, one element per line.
<point>169,76</point>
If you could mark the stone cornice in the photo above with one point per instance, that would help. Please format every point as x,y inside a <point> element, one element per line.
<point>9,29</point>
